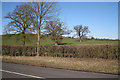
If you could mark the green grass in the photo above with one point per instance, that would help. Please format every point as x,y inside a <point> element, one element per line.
<point>31,40</point>
<point>70,41</point>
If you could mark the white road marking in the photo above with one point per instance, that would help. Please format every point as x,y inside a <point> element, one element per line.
<point>21,74</point>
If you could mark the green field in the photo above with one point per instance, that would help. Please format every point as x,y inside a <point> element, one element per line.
<point>31,40</point>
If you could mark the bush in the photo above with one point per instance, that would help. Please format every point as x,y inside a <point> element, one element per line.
<point>79,51</point>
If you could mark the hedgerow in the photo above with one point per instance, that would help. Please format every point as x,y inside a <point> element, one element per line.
<point>78,51</point>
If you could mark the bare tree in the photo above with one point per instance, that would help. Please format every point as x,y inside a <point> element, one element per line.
<point>20,21</point>
<point>43,11</point>
<point>56,29</point>
<point>81,31</point>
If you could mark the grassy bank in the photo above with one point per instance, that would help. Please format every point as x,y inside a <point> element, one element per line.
<point>31,41</point>
<point>82,64</point>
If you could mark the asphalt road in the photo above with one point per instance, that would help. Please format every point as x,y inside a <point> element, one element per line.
<point>11,70</point>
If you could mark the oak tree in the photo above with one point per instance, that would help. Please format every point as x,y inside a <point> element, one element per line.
<point>56,29</point>
<point>81,31</point>
<point>20,21</point>
<point>42,12</point>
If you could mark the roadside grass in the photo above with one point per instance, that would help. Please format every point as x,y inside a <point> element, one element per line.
<point>80,64</point>
<point>31,41</point>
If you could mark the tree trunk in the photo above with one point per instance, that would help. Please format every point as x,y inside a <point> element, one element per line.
<point>38,41</point>
<point>80,39</point>
<point>24,39</point>
<point>56,44</point>
<point>23,35</point>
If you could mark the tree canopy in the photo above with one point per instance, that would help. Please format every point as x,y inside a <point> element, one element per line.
<point>81,31</point>
<point>20,21</point>
<point>56,29</point>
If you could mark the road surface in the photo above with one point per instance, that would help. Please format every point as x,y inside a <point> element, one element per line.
<point>12,70</point>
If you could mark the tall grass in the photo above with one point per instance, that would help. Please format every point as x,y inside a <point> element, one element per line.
<point>84,64</point>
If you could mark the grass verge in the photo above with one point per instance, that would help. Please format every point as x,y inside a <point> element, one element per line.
<point>80,64</point>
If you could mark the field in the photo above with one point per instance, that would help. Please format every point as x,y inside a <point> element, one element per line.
<point>31,40</point>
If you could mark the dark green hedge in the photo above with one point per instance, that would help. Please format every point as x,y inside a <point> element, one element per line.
<point>78,51</point>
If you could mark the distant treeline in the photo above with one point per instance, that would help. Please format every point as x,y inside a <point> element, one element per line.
<point>106,39</point>
<point>96,39</point>
<point>78,51</point>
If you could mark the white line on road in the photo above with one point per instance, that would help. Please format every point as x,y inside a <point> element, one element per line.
<point>21,74</point>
